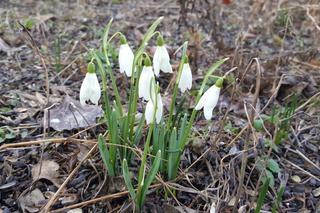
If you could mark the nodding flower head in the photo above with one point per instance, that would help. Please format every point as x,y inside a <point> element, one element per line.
<point>186,77</point>
<point>145,78</point>
<point>90,87</point>
<point>209,99</point>
<point>125,57</point>
<point>154,105</point>
<point>161,59</point>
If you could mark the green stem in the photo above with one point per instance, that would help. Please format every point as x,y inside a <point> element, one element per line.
<point>107,111</point>
<point>105,44</point>
<point>193,115</point>
<point>175,91</point>
<point>147,145</point>
<point>132,95</point>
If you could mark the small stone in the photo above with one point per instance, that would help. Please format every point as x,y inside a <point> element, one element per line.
<point>296,179</point>
<point>316,192</point>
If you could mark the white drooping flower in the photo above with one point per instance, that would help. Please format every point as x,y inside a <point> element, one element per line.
<point>209,99</point>
<point>154,104</point>
<point>125,57</point>
<point>161,59</point>
<point>144,82</point>
<point>186,78</point>
<point>90,87</point>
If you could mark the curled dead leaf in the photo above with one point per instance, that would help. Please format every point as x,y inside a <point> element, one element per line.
<point>70,114</point>
<point>32,202</point>
<point>48,169</point>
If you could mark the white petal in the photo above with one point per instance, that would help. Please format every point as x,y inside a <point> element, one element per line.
<point>149,112</point>
<point>90,89</point>
<point>207,112</point>
<point>201,102</point>
<point>156,61</point>
<point>186,78</point>
<point>126,59</point>
<point>212,98</point>
<point>159,109</point>
<point>144,82</point>
<point>209,98</point>
<point>165,65</point>
<point>152,89</point>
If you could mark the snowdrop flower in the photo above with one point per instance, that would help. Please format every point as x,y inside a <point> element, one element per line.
<point>186,77</point>
<point>151,105</point>
<point>210,99</point>
<point>125,57</point>
<point>145,78</point>
<point>161,59</point>
<point>90,87</point>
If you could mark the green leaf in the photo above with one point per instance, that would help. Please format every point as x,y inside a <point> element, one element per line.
<point>270,143</point>
<point>2,133</point>
<point>279,196</point>
<point>273,166</point>
<point>28,24</point>
<point>10,135</point>
<point>262,195</point>
<point>147,36</point>
<point>104,152</point>
<point>150,178</point>
<point>115,138</point>
<point>173,155</point>
<point>267,175</point>
<point>4,110</point>
<point>127,180</point>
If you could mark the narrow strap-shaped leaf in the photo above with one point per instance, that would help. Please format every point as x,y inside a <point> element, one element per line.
<point>127,180</point>
<point>262,195</point>
<point>183,127</point>
<point>279,196</point>
<point>155,138</point>
<point>173,154</point>
<point>105,155</point>
<point>150,178</point>
<point>114,140</point>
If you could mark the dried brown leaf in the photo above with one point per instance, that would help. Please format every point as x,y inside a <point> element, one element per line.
<point>70,114</point>
<point>49,171</point>
<point>32,201</point>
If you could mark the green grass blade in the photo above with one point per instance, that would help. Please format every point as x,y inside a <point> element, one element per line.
<point>262,195</point>
<point>279,196</point>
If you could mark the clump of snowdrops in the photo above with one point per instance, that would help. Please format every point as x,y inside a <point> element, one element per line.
<point>163,138</point>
